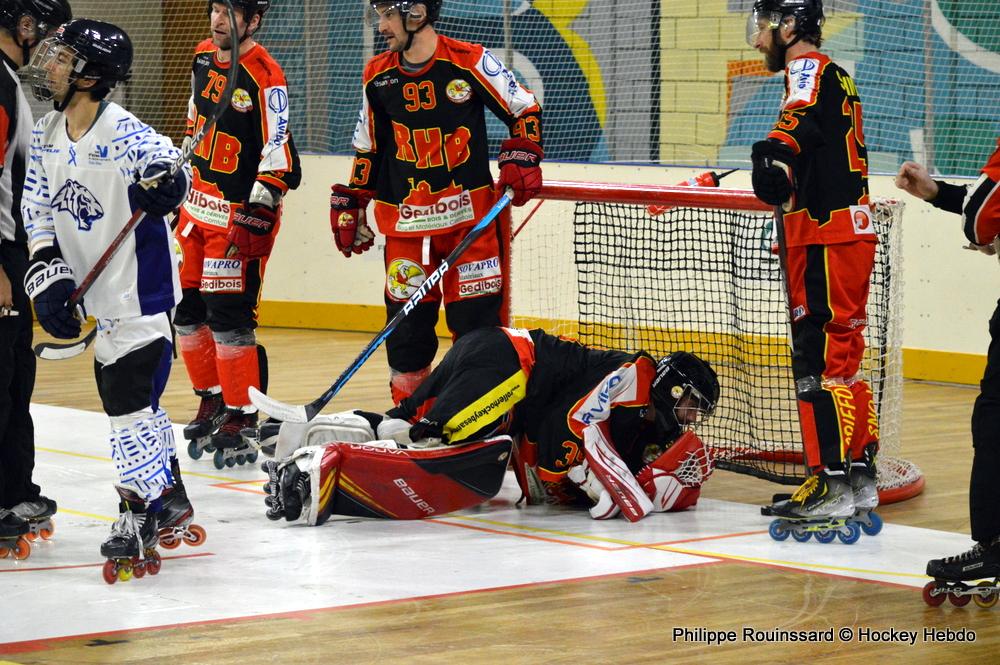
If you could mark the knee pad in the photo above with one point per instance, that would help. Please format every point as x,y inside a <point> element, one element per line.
<point>191,310</point>
<point>139,454</point>
<point>472,313</point>
<point>413,344</point>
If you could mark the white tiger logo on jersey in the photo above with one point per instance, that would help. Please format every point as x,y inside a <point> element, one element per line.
<point>79,202</point>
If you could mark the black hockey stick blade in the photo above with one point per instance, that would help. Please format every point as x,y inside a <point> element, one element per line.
<point>304,413</point>
<point>56,351</point>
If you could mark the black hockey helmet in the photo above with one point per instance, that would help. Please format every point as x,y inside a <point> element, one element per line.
<point>768,14</point>
<point>248,7</point>
<point>94,51</point>
<point>47,14</point>
<point>684,391</point>
<point>405,6</point>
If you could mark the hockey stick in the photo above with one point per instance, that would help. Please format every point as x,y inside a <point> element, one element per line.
<point>57,351</point>
<point>303,414</point>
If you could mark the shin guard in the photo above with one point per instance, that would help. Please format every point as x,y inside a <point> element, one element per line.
<point>239,368</point>
<point>404,384</point>
<point>139,454</point>
<point>198,351</point>
<point>365,481</point>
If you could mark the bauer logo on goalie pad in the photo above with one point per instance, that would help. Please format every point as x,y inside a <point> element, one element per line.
<point>403,278</point>
<point>459,91</point>
<point>241,101</point>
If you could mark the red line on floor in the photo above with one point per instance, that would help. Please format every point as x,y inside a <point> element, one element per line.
<point>229,486</point>
<point>693,540</point>
<point>48,642</point>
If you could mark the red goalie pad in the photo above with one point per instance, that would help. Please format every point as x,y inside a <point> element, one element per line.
<point>367,481</point>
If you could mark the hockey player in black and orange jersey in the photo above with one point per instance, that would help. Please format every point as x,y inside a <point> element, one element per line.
<point>422,156</point>
<point>601,427</point>
<point>242,169</point>
<point>979,206</point>
<point>813,164</point>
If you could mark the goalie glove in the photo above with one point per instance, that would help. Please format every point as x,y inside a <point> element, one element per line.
<point>673,480</point>
<point>251,235</point>
<point>347,219</point>
<point>520,169</point>
<point>49,283</point>
<point>583,477</point>
<point>772,171</point>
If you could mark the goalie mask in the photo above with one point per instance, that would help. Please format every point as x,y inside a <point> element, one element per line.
<point>81,50</point>
<point>684,391</point>
<point>424,12</point>
<point>46,14</point>
<point>769,15</point>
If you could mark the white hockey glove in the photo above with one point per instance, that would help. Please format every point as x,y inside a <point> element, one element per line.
<point>604,506</point>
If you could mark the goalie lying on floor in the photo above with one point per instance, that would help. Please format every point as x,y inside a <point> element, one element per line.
<point>610,429</point>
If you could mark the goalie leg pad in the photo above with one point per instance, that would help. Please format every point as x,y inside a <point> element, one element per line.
<point>346,426</point>
<point>367,481</point>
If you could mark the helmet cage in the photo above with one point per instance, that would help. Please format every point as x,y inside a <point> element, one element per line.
<point>53,55</point>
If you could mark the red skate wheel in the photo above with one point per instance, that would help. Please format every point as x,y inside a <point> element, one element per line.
<point>959,601</point>
<point>31,535</point>
<point>110,571</point>
<point>153,563</point>
<point>22,550</point>
<point>936,600</point>
<point>195,536</point>
<point>139,570</point>
<point>4,551</point>
<point>168,540</point>
<point>47,533</point>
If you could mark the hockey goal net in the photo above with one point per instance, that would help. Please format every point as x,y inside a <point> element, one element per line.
<point>701,276</point>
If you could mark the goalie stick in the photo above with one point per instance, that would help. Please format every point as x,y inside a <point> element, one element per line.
<point>61,351</point>
<point>305,413</point>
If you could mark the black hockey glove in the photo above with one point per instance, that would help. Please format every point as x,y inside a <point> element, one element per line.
<point>163,198</point>
<point>772,171</point>
<point>49,282</point>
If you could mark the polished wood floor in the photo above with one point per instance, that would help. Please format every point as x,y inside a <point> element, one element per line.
<point>618,619</point>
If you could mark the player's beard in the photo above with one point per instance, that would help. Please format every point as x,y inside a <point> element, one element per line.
<point>774,57</point>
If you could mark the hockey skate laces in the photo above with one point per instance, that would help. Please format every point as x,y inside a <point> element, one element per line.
<point>976,550</point>
<point>806,490</point>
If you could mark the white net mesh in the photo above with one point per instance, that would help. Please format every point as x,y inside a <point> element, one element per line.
<point>631,80</point>
<point>706,281</point>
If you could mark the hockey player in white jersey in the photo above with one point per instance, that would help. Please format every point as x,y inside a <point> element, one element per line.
<point>82,186</point>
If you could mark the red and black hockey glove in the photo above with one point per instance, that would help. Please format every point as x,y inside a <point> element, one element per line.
<point>252,234</point>
<point>772,171</point>
<point>520,169</point>
<point>347,219</point>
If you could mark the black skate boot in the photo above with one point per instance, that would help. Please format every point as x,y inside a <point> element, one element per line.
<point>231,447</point>
<point>130,548</point>
<point>287,490</point>
<point>864,485</point>
<point>822,507</point>
<point>264,436</point>
<point>176,515</point>
<point>38,514</point>
<point>211,412</point>
<point>13,540</point>
<point>949,573</point>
